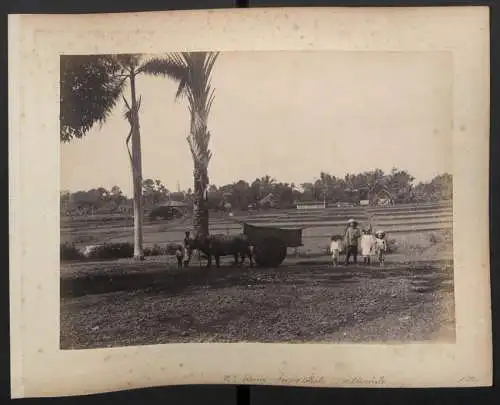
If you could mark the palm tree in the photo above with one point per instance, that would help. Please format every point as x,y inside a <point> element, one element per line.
<point>91,86</point>
<point>193,70</point>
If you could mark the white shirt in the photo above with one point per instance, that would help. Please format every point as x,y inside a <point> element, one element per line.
<point>367,244</point>
<point>335,245</point>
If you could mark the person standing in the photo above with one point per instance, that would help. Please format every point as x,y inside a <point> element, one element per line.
<point>351,238</point>
<point>367,243</point>
<point>180,254</point>
<point>380,247</point>
<point>335,250</point>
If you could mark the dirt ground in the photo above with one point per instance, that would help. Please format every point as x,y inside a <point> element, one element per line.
<point>302,300</point>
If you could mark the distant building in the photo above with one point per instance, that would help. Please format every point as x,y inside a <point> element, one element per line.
<point>269,201</point>
<point>382,196</point>
<point>310,205</point>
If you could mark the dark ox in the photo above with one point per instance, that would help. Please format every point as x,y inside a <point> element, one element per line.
<point>222,245</point>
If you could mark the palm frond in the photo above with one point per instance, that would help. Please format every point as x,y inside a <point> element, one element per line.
<point>128,61</point>
<point>171,66</point>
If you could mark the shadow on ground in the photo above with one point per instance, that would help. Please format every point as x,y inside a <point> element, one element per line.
<point>160,278</point>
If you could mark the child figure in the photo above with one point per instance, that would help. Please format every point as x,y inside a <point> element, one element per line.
<point>367,245</point>
<point>380,246</point>
<point>179,254</point>
<point>335,248</point>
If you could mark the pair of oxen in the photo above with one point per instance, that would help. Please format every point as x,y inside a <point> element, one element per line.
<point>217,246</point>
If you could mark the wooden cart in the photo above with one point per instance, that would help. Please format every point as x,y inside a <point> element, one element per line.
<point>270,243</point>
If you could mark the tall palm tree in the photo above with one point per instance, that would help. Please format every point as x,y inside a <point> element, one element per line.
<point>91,86</point>
<point>193,71</point>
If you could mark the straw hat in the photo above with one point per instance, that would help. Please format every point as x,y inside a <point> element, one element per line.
<point>380,232</point>
<point>350,221</point>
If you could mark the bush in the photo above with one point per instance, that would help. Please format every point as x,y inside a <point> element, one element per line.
<point>111,251</point>
<point>171,248</point>
<point>165,212</point>
<point>434,238</point>
<point>444,236</point>
<point>392,246</point>
<point>156,250</point>
<point>69,251</point>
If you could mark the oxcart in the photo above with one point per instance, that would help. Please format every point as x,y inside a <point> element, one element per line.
<point>270,243</point>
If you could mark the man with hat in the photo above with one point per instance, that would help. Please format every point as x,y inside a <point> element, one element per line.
<point>351,238</point>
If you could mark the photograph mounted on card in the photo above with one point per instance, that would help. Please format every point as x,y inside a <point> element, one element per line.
<point>219,206</point>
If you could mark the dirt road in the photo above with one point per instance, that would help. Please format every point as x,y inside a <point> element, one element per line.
<point>300,301</point>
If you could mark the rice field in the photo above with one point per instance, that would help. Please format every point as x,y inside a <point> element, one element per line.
<point>318,225</point>
<point>124,302</point>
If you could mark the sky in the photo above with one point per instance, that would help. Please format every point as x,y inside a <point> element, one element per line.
<point>287,114</point>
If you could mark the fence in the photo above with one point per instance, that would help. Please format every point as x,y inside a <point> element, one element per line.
<point>311,206</point>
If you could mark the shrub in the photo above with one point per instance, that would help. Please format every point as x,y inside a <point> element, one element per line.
<point>111,251</point>
<point>156,250</point>
<point>165,212</point>
<point>444,236</point>
<point>107,251</point>
<point>448,235</point>
<point>69,251</point>
<point>171,248</point>
<point>392,246</point>
<point>434,238</point>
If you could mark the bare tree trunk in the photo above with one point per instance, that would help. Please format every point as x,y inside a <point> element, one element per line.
<point>136,174</point>
<point>200,209</point>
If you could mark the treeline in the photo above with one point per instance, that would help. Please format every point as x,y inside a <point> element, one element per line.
<point>267,192</point>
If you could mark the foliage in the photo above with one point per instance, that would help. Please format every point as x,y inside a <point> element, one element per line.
<point>445,236</point>
<point>111,251</point>
<point>440,188</point>
<point>89,90</point>
<point>90,87</point>
<point>241,195</point>
<point>69,251</point>
<point>192,71</point>
<point>96,200</point>
<point>392,246</point>
<point>107,251</point>
<point>154,192</point>
<point>165,212</point>
<point>156,250</point>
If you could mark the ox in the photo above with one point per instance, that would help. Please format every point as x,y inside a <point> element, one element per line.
<point>222,245</point>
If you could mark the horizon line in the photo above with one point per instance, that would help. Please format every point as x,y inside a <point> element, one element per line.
<point>183,189</point>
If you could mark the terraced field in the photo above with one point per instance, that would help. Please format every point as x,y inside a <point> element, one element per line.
<point>317,224</point>
<point>124,302</point>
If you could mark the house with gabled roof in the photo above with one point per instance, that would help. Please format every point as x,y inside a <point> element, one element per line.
<point>380,195</point>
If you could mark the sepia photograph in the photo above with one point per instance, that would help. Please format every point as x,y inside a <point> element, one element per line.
<point>256,197</point>
<point>291,197</point>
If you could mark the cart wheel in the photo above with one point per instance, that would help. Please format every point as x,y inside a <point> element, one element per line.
<point>270,252</point>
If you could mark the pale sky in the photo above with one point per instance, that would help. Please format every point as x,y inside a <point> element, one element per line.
<point>287,114</point>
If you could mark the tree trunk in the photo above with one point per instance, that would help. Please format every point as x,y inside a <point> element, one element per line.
<point>200,208</point>
<point>136,173</point>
